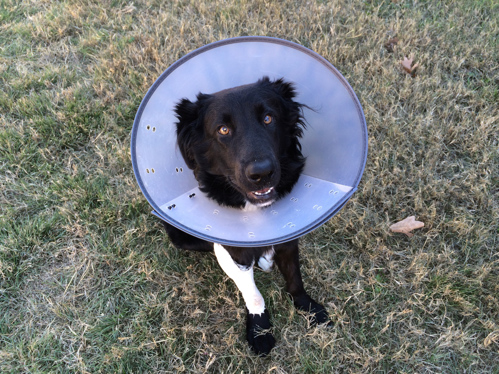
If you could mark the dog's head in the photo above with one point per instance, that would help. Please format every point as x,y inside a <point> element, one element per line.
<point>243,143</point>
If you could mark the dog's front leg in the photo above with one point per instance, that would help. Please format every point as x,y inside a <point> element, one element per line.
<point>287,259</point>
<point>258,323</point>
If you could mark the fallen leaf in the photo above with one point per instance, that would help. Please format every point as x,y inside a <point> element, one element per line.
<point>407,66</point>
<point>407,225</point>
<point>491,338</point>
<point>389,45</point>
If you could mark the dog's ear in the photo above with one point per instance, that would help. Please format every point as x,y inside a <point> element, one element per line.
<point>285,89</point>
<point>187,114</point>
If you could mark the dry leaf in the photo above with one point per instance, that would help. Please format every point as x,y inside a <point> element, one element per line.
<point>407,225</point>
<point>407,66</point>
<point>389,45</point>
<point>493,337</point>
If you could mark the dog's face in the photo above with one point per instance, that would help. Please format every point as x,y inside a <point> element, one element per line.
<point>242,143</point>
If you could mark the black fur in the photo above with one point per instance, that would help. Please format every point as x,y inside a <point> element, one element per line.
<point>255,162</point>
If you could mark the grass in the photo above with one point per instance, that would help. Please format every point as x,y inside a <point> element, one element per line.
<point>88,281</point>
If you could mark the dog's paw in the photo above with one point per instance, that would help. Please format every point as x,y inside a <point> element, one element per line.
<point>317,314</point>
<point>258,334</point>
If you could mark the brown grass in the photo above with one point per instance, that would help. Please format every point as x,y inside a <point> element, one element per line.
<point>88,280</point>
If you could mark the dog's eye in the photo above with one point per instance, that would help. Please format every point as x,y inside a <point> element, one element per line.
<point>267,119</point>
<point>223,130</point>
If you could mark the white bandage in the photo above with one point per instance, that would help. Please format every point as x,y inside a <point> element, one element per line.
<point>243,278</point>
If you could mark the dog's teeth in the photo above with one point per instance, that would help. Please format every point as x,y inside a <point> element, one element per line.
<point>263,192</point>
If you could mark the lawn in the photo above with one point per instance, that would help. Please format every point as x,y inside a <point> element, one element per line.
<point>88,280</point>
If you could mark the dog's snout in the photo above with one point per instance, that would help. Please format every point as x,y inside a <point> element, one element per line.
<point>260,170</point>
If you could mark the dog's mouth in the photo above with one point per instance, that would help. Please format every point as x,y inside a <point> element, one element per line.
<point>264,194</point>
<point>263,197</point>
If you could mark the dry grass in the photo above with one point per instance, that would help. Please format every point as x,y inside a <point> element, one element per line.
<point>88,281</point>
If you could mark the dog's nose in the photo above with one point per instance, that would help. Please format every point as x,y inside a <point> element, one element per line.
<point>258,170</point>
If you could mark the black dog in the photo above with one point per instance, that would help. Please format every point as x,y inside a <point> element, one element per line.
<point>243,146</point>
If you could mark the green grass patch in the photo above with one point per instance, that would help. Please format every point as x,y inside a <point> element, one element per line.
<point>88,280</point>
